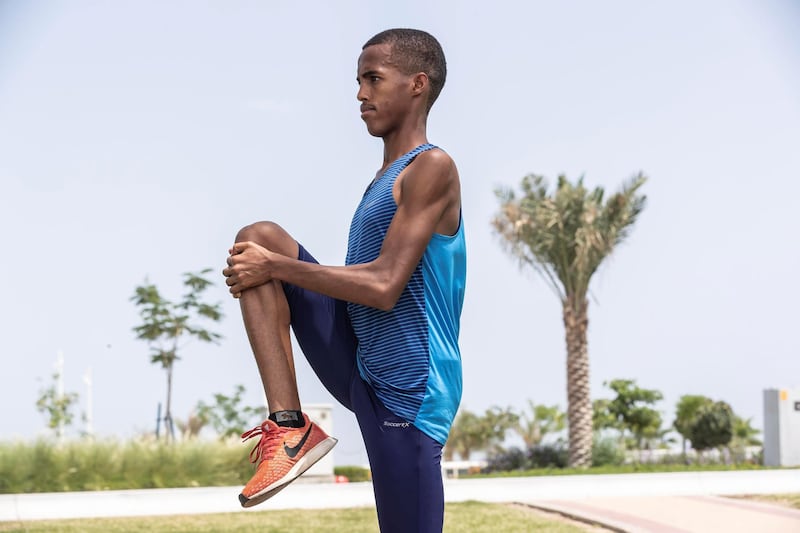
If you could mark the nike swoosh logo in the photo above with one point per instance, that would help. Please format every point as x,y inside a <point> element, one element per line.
<point>292,451</point>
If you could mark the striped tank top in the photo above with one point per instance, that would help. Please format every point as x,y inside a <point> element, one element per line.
<point>410,355</point>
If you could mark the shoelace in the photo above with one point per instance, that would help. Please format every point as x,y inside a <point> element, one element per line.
<point>264,443</point>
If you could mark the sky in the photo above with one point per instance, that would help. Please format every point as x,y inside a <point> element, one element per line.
<point>136,138</point>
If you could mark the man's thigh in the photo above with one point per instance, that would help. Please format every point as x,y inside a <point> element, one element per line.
<point>322,328</point>
<point>405,465</point>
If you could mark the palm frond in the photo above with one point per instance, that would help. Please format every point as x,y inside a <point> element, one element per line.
<point>565,235</point>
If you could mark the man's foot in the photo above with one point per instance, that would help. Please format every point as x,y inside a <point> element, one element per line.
<point>282,454</point>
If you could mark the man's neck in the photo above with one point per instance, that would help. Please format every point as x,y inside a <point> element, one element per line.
<point>403,140</point>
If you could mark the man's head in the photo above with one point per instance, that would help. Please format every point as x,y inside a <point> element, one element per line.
<point>415,51</point>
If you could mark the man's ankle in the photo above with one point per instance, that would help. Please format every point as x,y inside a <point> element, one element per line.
<point>288,419</point>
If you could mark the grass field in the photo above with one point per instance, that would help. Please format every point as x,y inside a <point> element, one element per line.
<point>468,517</point>
<point>44,466</point>
<point>634,468</point>
<point>789,500</point>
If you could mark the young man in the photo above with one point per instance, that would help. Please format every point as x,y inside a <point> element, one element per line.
<point>381,332</point>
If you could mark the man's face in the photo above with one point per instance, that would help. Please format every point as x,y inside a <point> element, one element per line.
<point>383,90</point>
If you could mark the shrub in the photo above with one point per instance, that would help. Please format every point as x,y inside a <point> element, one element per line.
<point>507,460</point>
<point>539,456</point>
<point>548,456</point>
<point>607,451</point>
<point>712,427</point>
<point>43,466</point>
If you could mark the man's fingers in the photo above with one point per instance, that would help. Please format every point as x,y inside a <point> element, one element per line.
<point>238,247</point>
<point>235,290</point>
<point>231,279</point>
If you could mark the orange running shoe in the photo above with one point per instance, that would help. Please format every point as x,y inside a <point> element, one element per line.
<point>282,454</point>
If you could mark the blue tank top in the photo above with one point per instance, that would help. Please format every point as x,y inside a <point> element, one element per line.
<point>410,355</point>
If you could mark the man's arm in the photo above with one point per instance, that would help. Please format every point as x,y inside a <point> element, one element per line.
<point>428,198</point>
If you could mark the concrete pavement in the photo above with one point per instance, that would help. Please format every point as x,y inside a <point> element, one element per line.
<point>657,503</point>
<point>679,514</point>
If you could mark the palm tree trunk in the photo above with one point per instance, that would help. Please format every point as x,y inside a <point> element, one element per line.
<point>579,404</point>
<point>170,432</point>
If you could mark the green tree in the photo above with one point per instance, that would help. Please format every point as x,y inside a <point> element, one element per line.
<point>564,237</point>
<point>496,423</point>
<point>744,433</point>
<point>712,427</point>
<point>166,323</point>
<point>57,406</point>
<point>632,413</point>
<point>471,432</point>
<point>602,417</point>
<point>538,421</point>
<point>685,415</point>
<point>227,415</point>
<point>465,436</point>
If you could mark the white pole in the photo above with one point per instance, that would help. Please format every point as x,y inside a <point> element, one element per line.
<point>87,378</point>
<point>60,390</point>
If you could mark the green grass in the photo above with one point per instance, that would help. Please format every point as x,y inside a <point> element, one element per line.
<point>622,469</point>
<point>105,465</point>
<point>789,500</point>
<point>468,517</point>
<point>43,466</point>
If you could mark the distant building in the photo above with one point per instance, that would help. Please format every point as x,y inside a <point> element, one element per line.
<point>782,427</point>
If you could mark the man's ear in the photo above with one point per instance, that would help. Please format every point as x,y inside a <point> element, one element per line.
<point>421,83</point>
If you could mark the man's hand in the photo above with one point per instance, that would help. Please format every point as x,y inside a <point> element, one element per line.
<point>248,267</point>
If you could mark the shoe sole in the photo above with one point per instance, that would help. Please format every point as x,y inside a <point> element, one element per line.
<point>304,463</point>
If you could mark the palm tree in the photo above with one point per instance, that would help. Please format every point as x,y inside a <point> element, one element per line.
<point>744,435</point>
<point>538,421</point>
<point>496,422</point>
<point>465,436</point>
<point>471,432</point>
<point>565,237</point>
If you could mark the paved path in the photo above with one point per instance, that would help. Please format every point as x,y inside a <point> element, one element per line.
<point>656,503</point>
<point>679,514</point>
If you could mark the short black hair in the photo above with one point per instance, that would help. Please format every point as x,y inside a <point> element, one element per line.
<point>415,51</point>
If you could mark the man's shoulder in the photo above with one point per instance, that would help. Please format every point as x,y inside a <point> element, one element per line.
<point>437,162</point>
<point>437,156</point>
<point>432,175</point>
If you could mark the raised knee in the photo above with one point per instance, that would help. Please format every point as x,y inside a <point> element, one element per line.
<point>263,232</point>
<point>269,235</point>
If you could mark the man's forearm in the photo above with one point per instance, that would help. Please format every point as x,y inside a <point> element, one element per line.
<point>369,284</point>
